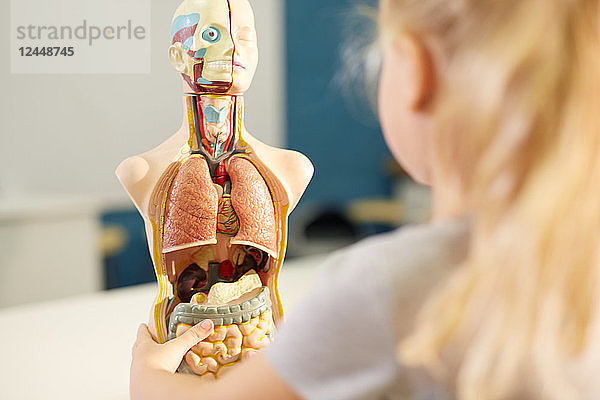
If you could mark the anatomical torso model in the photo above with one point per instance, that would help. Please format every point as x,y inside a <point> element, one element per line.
<point>215,200</point>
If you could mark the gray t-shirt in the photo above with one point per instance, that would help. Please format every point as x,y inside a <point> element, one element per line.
<point>341,341</point>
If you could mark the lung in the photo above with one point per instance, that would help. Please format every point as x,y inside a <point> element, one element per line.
<point>191,210</point>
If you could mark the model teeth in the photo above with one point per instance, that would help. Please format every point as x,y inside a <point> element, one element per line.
<point>219,65</point>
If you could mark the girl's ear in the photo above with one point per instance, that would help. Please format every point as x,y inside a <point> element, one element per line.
<point>418,70</point>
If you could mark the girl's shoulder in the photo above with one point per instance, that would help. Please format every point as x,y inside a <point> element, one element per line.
<point>403,267</point>
<point>417,243</point>
<point>411,250</point>
<point>342,338</point>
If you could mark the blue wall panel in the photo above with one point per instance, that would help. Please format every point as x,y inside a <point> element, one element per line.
<point>348,153</point>
<point>132,265</point>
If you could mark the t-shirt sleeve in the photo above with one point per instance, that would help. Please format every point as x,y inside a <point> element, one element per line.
<point>338,344</point>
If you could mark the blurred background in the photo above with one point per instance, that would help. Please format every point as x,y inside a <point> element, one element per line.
<point>66,225</point>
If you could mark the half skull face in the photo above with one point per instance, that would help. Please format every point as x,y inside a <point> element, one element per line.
<point>214,45</point>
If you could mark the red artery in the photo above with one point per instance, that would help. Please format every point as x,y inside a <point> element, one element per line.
<point>222,175</point>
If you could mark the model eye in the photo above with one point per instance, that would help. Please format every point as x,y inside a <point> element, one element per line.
<point>211,35</point>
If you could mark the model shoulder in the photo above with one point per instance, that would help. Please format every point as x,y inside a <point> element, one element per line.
<point>138,174</point>
<point>293,168</point>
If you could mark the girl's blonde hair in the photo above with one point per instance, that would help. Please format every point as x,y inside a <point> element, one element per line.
<point>518,147</point>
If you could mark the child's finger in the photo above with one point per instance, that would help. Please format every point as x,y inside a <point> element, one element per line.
<point>191,337</point>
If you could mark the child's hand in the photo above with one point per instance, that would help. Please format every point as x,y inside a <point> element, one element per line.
<point>153,374</point>
<point>151,356</point>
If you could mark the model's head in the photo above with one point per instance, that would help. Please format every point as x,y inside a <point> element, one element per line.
<point>214,45</point>
<point>496,103</point>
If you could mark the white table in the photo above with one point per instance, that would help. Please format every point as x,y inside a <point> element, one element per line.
<point>80,348</point>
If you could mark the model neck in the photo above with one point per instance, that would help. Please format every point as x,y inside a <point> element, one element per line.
<point>214,123</point>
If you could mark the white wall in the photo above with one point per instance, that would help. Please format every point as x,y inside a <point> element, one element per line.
<point>48,250</point>
<point>67,133</point>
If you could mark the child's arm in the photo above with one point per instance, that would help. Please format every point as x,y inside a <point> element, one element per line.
<point>153,373</point>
